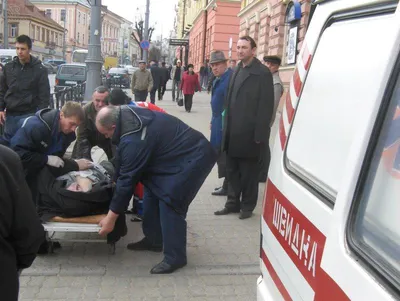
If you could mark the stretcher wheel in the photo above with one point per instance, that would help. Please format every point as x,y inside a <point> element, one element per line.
<point>111,248</point>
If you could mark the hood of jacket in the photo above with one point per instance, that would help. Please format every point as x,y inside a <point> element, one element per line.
<point>131,120</point>
<point>50,118</point>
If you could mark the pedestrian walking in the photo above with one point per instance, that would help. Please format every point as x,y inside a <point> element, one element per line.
<point>165,73</point>
<point>142,82</point>
<point>156,73</point>
<point>21,231</point>
<point>232,64</point>
<point>87,135</point>
<point>250,104</point>
<point>172,161</point>
<point>222,73</point>
<point>204,76</point>
<point>176,76</point>
<point>272,62</point>
<point>189,85</point>
<point>24,88</point>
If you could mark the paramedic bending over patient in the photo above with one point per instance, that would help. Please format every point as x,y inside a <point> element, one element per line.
<point>171,159</point>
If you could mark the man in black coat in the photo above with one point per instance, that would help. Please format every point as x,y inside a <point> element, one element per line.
<point>156,73</point>
<point>165,78</point>
<point>21,232</point>
<point>249,108</point>
<point>24,88</point>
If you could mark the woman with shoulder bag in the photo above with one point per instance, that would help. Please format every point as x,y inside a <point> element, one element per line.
<point>189,85</point>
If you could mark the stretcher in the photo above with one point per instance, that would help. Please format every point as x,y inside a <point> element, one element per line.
<point>83,224</point>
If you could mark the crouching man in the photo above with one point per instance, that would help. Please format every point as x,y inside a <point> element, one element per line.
<point>43,139</point>
<point>172,161</point>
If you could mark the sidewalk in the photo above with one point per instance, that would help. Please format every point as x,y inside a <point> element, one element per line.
<point>223,252</point>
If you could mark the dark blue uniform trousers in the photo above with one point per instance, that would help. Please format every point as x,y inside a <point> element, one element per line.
<point>162,225</point>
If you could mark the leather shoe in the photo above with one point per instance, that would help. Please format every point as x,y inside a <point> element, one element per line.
<point>144,245</point>
<point>165,268</point>
<point>245,214</point>
<point>220,192</point>
<point>226,211</point>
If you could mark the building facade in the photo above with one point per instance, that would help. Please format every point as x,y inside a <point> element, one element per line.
<point>209,25</point>
<point>74,16</point>
<point>278,27</point>
<point>46,34</point>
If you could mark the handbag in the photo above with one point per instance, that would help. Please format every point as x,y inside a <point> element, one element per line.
<point>180,101</point>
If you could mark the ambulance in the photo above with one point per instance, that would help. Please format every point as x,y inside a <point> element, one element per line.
<point>330,225</point>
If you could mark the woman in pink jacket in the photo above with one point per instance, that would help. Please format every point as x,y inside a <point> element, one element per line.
<point>189,85</point>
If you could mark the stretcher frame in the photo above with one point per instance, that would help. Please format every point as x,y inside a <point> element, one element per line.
<point>53,227</point>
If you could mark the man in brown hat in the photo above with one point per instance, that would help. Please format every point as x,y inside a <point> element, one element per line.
<point>222,74</point>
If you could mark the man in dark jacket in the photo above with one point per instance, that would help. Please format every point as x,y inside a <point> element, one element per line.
<point>21,231</point>
<point>165,79</point>
<point>88,136</point>
<point>172,161</point>
<point>220,69</point>
<point>249,108</point>
<point>157,75</point>
<point>24,88</point>
<point>43,139</point>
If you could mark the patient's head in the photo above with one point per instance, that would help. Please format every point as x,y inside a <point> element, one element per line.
<point>81,185</point>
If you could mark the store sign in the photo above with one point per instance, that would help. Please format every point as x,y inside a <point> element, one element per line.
<point>292,46</point>
<point>178,42</point>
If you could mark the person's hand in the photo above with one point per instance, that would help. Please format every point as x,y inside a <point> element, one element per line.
<point>2,117</point>
<point>107,224</point>
<point>84,164</point>
<point>55,161</point>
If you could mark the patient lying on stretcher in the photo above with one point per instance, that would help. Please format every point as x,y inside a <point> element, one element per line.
<point>67,192</point>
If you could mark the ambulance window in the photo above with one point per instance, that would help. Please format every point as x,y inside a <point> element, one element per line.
<point>331,106</point>
<point>376,228</point>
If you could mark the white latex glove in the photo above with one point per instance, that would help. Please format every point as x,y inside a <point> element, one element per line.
<point>55,161</point>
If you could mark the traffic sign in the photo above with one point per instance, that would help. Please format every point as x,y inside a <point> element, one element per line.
<point>145,44</point>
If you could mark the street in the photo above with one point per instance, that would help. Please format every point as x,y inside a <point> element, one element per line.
<point>223,252</point>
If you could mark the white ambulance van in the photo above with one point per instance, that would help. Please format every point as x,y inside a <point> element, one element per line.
<point>330,228</point>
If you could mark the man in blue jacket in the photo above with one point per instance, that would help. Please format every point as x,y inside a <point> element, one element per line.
<point>222,73</point>
<point>172,161</point>
<point>43,139</point>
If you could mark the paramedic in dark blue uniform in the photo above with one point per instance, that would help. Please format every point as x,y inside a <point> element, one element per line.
<point>44,138</point>
<point>172,160</point>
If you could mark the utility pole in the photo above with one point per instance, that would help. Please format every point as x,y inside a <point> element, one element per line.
<point>183,28</point>
<point>94,61</point>
<point>64,37</point>
<point>5,34</point>
<point>146,30</point>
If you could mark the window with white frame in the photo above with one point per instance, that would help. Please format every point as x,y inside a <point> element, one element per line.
<point>14,30</point>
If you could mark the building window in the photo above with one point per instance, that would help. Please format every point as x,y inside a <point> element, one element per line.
<point>79,17</point>
<point>38,33</point>
<point>83,39</point>
<point>33,32</point>
<point>78,38</point>
<point>63,15</point>
<point>14,30</point>
<point>48,12</point>
<point>43,35</point>
<point>52,36</point>
<point>47,36</point>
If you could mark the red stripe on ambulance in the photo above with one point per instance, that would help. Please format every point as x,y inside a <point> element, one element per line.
<point>306,58</point>
<point>297,82</point>
<point>282,134</point>
<point>275,277</point>
<point>289,108</point>
<point>302,242</point>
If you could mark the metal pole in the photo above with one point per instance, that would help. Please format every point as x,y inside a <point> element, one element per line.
<point>5,34</point>
<point>146,30</point>
<point>94,60</point>
<point>64,39</point>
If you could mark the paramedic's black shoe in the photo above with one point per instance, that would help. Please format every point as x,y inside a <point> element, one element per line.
<point>220,192</point>
<point>245,214</point>
<point>165,268</point>
<point>44,248</point>
<point>144,245</point>
<point>226,211</point>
